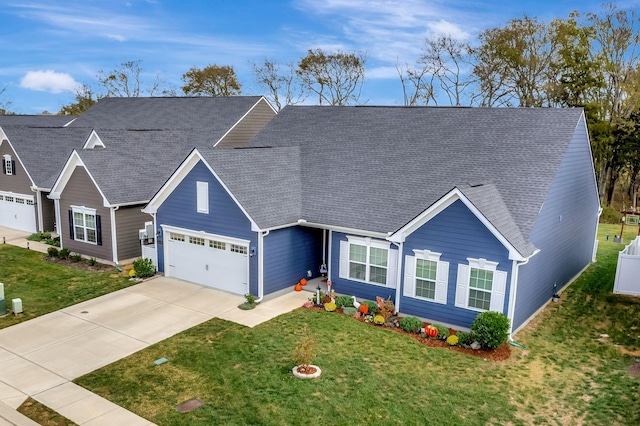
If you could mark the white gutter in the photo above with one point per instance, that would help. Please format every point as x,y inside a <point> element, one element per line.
<point>261,236</point>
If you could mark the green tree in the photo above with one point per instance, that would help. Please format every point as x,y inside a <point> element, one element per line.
<point>84,100</point>
<point>336,78</point>
<point>212,80</point>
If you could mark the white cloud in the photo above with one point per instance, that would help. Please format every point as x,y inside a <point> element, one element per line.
<point>49,81</point>
<point>382,73</point>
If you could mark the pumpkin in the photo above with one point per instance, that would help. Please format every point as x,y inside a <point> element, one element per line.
<point>364,308</point>
<point>298,287</point>
<point>431,331</point>
<point>303,282</point>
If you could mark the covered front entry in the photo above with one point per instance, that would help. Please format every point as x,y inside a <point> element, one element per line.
<point>17,211</point>
<point>207,259</point>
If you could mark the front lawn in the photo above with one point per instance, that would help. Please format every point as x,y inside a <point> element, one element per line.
<point>569,375</point>
<point>46,287</point>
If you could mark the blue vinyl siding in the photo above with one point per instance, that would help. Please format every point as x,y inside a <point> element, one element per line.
<point>564,231</point>
<point>288,254</point>
<point>354,288</point>
<point>458,234</point>
<point>224,217</point>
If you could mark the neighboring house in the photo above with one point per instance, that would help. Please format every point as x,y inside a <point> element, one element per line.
<point>33,150</point>
<point>134,147</point>
<point>448,211</point>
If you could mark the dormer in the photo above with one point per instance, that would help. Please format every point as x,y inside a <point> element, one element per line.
<point>93,141</point>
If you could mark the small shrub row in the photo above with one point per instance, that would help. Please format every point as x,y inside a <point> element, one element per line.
<point>144,268</point>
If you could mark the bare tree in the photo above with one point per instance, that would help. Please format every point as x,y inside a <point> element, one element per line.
<point>281,83</point>
<point>417,85</point>
<point>126,81</point>
<point>4,105</point>
<point>336,78</point>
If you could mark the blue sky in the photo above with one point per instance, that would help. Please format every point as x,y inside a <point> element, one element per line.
<point>49,47</point>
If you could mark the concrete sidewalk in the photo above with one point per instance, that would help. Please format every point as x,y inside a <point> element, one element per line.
<point>39,358</point>
<point>19,238</point>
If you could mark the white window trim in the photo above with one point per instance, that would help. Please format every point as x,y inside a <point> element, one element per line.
<point>202,197</point>
<point>498,285</point>
<point>85,211</point>
<point>8,165</point>
<point>392,259</point>
<point>442,276</point>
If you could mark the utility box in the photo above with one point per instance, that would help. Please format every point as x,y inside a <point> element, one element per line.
<point>16,306</point>
<point>3,307</point>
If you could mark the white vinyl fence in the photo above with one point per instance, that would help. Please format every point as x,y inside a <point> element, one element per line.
<point>628,270</point>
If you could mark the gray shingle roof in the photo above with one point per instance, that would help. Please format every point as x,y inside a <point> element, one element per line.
<point>265,181</point>
<point>36,120</point>
<point>376,168</point>
<point>217,114</point>
<point>44,151</point>
<point>135,164</point>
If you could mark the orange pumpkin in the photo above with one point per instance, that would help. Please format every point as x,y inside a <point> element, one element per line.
<point>303,282</point>
<point>364,308</point>
<point>431,331</point>
<point>298,287</point>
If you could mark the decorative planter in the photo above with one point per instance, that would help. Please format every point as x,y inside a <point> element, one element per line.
<point>313,372</point>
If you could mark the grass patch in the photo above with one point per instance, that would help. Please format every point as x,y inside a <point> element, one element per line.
<point>46,287</point>
<point>42,414</point>
<point>569,375</point>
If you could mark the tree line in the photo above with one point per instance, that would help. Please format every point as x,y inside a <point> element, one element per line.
<point>585,60</point>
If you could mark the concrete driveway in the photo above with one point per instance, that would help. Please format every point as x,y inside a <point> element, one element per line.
<point>40,357</point>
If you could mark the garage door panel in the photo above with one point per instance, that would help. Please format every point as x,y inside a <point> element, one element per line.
<point>17,212</point>
<point>209,262</point>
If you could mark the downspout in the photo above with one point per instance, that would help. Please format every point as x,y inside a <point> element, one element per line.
<point>114,239</point>
<point>56,211</point>
<point>38,208</point>
<point>595,239</point>
<point>398,274</point>
<point>514,290</point>
<point>261,236</point>
<point>330,253</point>
<point>324,246</point>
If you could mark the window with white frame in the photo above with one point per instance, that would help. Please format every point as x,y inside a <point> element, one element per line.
<point>202,196</point>
<point>8,165</point>
<point>426,277</point>
<point>367,260</point>
<point>481,286</point>
<point>84,225</point>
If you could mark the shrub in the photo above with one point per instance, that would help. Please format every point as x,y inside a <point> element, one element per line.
<point>610,215</point>
<point>410,324</point>
<point>53,252</point>
<point>76,257</point>
<point>373,306</point>
<point>344,302</point>
<point>39,236</point>
<point>92,261</point>
<point>443,332</point>
<point>330,307</point>
<point>64,253</point>
<point>132,273</point>
<point>144,268</point>
<point>490,329</point>
<point>464,338</point>
<point>349,310</point>
<point>452,340</point>
<point>304,353</point>
<point>250,298</point>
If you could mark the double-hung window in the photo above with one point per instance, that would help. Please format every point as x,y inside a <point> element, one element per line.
<point>85,225</point>
<point>367,260</point>
<point>426,277</point>
<point>481,286</point>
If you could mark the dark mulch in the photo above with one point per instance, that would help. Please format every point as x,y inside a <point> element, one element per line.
<point>81,264</point>
<point>499,354</point>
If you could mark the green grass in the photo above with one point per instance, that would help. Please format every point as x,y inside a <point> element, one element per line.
<point>46,287</point>
<point>569,375</point>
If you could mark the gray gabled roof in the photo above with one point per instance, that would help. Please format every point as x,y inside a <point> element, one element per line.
<point>134,164</point>
<point>36,120</point>
<point>44,150</point>
<point>265,181</point>
<point>216,114</point>
<point>376,168</point>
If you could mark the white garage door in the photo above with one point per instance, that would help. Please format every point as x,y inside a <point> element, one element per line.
<point>17,211</point>
<point>210,260</point>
